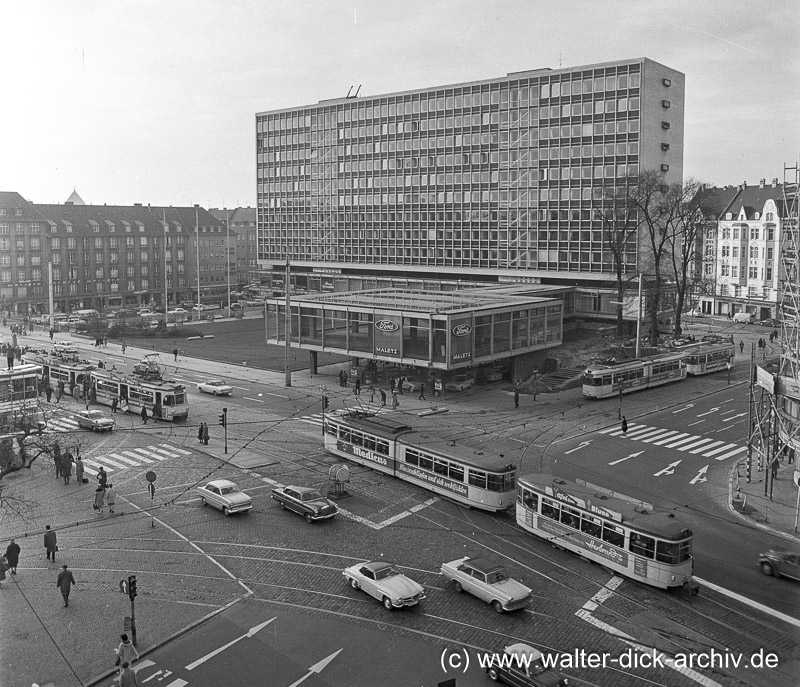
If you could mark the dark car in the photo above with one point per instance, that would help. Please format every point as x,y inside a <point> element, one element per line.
<point>770,322</point>
<point>305,501</point>
<point>780,564</point>
<point>522,665</point>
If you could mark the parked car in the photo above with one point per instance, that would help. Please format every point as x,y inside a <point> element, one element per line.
<point>780,563</point>
<point>495,374</point>
<point>144,312</point>
<point>177,311</point>
<point>385,583</point>
<point>411,385</point>
<point>746,317</point>
<point>770,322</point>
<point>522,665</point>
<point>695,313</point>
<point>225,495</point>
<point>64,348</point>
<point>237,306</point>
<point>305,501</point>
<point>96,420</point>
<point>460,383</point>
<point>215,387</point>
<point>488,581</point>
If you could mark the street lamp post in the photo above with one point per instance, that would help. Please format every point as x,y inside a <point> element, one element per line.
<point>228,255</point>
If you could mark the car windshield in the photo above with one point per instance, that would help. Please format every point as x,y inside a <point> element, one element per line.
<point>229,490</point>
<point>384,573</point>
<point>217,382</point>
<point>312,496</point>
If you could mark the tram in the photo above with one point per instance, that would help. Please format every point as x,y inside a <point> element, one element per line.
<point>706,357</point>
<point>62,367</point>
<point>624,376</point>
<point>622,535</point>
<point>455,471</point>
<point>164,399</point>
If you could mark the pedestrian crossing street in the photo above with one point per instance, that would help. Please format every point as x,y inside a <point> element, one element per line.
<point>680,441</point>
<point>135,457</point>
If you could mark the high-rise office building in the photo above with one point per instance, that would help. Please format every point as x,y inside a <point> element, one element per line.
<point>491,180</point>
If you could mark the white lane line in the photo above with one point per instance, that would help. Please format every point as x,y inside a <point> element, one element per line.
<point>257,400</point>
<point>238,387</point>
<point>105,460</point>
<point>91,463</point>
<point>138,456</point>
<point>177,450</point>
<point>653,435</point>
<point>158,451</point>
<point>690,438</point>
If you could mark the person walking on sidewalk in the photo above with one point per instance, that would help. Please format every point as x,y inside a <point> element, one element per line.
<point>200,432</point>
<point>50,545</point>
<point>175,354</point>
<point>516,396</point>
<point>12,556</point>
<point>126,652</point>
<point>66,466</point>
<point>99,500</point>
<point>57,458</point>
<point>395,402</point>
<point>357,387</point>
<point>111,497</point>
<point>144,415</point>
<point>124,347</point>
<point>741,345</point>
<point>48,392</point>
<point>421,392</point>
<point>127,676</point>
<point>205,434</point>
<point>79,470</point>
<point>65,582</point>
<point>383,398</point>
<point>371,393</point>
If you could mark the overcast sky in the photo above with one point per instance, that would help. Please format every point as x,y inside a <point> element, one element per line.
<point>154,101</point>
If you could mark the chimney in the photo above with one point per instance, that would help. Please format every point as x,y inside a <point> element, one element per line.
<point>761,183</point>
<point>743,186</point>
<point>774,182</point>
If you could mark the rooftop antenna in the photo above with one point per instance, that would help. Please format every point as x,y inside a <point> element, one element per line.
<point>348,92</point>
<point>358,91</point>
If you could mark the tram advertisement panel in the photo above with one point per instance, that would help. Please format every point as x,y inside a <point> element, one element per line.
<point>362,454</point>
<point>640,566</point>
<point>388,335</point>
<point>461,340</point>
<point>435,480</point>
<point>599,548</point>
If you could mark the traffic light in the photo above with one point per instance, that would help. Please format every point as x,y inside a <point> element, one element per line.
<point>325,402</point>
<point>132,586</point>
<point>223,419</point>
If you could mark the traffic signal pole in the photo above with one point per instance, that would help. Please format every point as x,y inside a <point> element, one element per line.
<point>223,420</point>
<point>132,592</point>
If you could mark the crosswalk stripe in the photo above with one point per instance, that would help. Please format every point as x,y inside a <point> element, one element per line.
<point>705,448</point>
<point>698,442</point>
<point>110,461</point>
<point>652,434</point>
<point>123,459</point>
<point>663,436</point>
<point>689,438</point>
<point>179,450</point>
<point>731,453</point>
<point>89,463</point>
<point>675,438</point>
<point>161,450</point>
<point>719,450</point>
<point>138,452</point>
<point>133,454</point>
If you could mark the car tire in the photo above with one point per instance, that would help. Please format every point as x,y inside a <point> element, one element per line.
<point>226,510</point>
<point>308,518</point>
<point>214,392</point>
<point>494,674</point>
<point>282,505</point>
<point>204,502</point>
<point>458,586</point>
<point>767,568</point>
<point>497,606</point>
<point>387,603</point>
<point>354,583</point>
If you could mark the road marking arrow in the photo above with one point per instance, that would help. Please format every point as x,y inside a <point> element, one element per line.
<point>669,470</point>
<point>710,412</point>
<point>583,444</point>
<point>249,633</point>
<point>733,417</point>
<point>633,455</point>
<point>688,406</point>
<point>317,668</point>
<point>701,476</point>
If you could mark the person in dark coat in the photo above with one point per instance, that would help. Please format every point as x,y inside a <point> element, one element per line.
<point>99,500</point>
<point>421,392</point>
<point>205,434</point>
<point>516,396</point>
<point>65,582</point>
<point>102,477</point>
<point>50,543</point>
<point>624,425</point>
<point>12,556</point>
<point>66,466</point>
<point>57,458</point>
<point>383,398</point>
<point>200,432</point>
<point>49,393</point>
<point>79,470</point>
<point>114,404</point>
<point>144,415</point>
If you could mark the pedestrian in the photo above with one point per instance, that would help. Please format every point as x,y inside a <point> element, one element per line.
<point>391,385</point>
<point>395,402</point>
<point>383,398</point>
<point>775,334</point>
<point>741,346</point>
<point>114,404</point>
<point>127,676</point>
<point>12,556</point>
<point>124,347</point>
<point>200,432</point>
<point>10,357</point>
<point>79,470</point>
<point>57,458</point>
<point>52,331</point>
<point>66,466</point>
<point>205,434</point>
<point>126,652</point>
<point>50,544</point>
<point>624,426</point>
<point>65,582</point>
<point>175,353</point>
<point>111,497</point>
<point>516,396</point>
<point>105,341</point>
<point>357,387</point>
<point>3,567</point>
<point>371,394</point>
<point>144,415</point>
<point>48,392</point>
<point>102,477</point>
<point>99,500</point>
<point>400,383</point>
<point>422,392</point>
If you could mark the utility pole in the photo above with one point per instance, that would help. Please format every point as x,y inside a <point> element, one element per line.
<point>287,326</point>
<point>197,228</point>
<point>228,255</point>
<point>638,324</point>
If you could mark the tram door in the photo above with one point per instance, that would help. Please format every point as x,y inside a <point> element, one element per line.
<point>157,407</point>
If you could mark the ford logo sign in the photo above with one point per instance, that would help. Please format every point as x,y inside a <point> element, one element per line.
<point>462,329</point>
<point>387,325</point>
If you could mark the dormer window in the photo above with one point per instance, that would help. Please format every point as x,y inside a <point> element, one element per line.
<point>667,82</point>
<point>757,215</point>
<point>728,215</point>
<point>665,168</point>
<point>665,126</point>
<point>665,146</point>
<point>666,104</point>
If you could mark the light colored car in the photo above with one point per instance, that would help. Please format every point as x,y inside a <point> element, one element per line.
<point>215,387</point>
<point>225,495</point>
<point>177,311</point>
<point>385,583</point>
<point>696,313</point>
<point>522,665</point>
<point>460,383</point>
<point>411,385</point>
<point>65,348</point>
<point>780,563</point>
<point>488,581</point>
<point>305,501</point>
<point>200,308</point>
<point>96,420</point>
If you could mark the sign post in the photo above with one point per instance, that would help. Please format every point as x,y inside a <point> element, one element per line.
<point>151,488</point>
<point>797,504</point>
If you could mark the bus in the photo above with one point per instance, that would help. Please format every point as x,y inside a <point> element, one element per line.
<point>705,357</point>
<point>452,470</point>
<point>624,535</point>
<point>165,400</point>
<point>611,378</point>
<point>64,367</point>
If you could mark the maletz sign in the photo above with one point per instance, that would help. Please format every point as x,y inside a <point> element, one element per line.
<point>461,341</point>
<point>388,337</point>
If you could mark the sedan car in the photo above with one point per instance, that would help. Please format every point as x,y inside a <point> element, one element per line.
<point>225,495</point>
<point>696,313</point>
<point>96,420</point>
<point>460,383</point>
<point>308,502</point>
<point>385,583</point>
<point>770,322</point>
<point>780,564</point>
<point>216,387</point>
<point>522,665</point>
<point>488,581</point>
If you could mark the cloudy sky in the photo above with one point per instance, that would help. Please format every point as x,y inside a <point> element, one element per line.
<point>153,101</point>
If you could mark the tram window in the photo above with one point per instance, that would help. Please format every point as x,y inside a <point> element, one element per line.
<point>672,552</point>
<point>550,509</point>
<point>426,463</point>
<point>530,499</point>
<point>591,526</point>
<point>642,545</point>
<point>369,443</point>
<point>456,472</point>
<point>477,478</point>
<point>570,517</point>
<point>357,438</point>
<point>382,447</point>
<point>169,400</point>
<point>331,429</point>
<point>344,434</point>
<point>412,457</point>
<point>613,535</point>
<point>440,467</point>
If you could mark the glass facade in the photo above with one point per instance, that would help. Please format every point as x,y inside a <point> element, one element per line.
<point>498,176</point>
